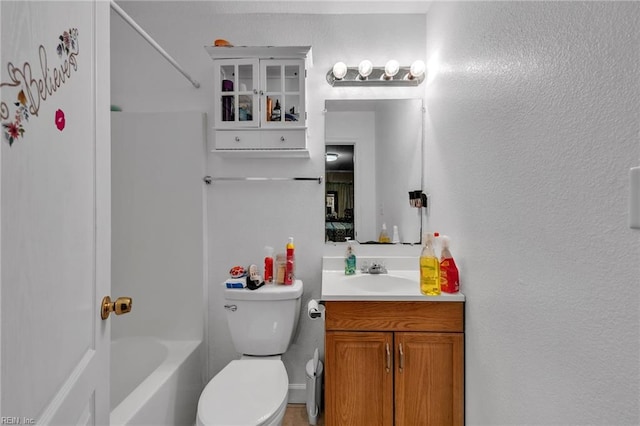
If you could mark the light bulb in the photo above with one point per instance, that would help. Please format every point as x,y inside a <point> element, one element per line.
<point>417,69</point>
<point>364,68</point>
<point>331,156</point>
<point>391,68</point>
<point>339,70</point>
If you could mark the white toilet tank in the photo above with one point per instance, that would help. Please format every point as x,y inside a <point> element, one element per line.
<point>263,321</point>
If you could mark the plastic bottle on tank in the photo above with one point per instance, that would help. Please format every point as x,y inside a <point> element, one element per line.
<point>429,268</point>
<point>268,264</point>
<point>289,275</point>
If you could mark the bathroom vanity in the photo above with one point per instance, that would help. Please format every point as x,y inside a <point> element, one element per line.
<point>392,355</point>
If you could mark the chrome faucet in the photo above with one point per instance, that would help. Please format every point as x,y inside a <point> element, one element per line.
<point>374,268</point>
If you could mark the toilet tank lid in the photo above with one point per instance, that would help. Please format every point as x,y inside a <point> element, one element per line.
<point>266,292</point>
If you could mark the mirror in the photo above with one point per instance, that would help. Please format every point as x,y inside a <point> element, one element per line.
<point>378,144</point>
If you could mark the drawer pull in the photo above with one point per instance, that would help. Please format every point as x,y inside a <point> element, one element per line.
<point>401,357</point>
<point>282,139</point>
<point>237,139</point>
<point>388,359</point>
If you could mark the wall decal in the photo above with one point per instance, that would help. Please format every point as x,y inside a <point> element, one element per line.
<point>34,90</point>
<point>60,119</point>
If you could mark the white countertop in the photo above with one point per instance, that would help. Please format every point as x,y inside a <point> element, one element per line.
<point>400,284</point>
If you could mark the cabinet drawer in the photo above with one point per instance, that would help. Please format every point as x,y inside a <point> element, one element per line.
<point>395,316</point>
<point>237,139</point>
<point>283,139</point>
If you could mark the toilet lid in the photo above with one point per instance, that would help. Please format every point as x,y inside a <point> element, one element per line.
<point>245,392</point>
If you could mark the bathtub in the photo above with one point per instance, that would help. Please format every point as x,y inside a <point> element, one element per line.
<point>155,382</point>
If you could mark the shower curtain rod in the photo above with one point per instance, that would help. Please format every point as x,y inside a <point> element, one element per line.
<point>151,41</point>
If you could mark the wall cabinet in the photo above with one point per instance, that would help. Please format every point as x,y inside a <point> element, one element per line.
<point>259,97</point>
<point>394,363</point>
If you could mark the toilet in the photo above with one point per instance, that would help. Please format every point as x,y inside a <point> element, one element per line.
<point>253,390</point>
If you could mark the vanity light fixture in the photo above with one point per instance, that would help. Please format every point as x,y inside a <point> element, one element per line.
<point>365,74</point>
<point>331,156</point>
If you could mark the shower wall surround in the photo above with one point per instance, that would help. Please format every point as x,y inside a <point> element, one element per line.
<point>157,223</point>
<point>243,217</point>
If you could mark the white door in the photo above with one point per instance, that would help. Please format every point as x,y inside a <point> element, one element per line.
<point>54,212</point>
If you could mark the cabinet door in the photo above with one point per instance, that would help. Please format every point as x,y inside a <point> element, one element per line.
<point>236,93</point>
<point>359,385</point>
<point>282,84</point>
<point>429,379</point>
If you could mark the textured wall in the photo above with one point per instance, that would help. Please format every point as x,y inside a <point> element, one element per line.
<point>532,127</point>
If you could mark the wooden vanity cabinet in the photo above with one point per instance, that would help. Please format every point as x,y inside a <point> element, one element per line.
<point>394,363</point>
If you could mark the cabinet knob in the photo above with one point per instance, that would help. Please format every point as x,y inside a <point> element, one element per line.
<point>255,91</point>
<point>237,138</point>
<point>261,93</point>
<point>282,139</point>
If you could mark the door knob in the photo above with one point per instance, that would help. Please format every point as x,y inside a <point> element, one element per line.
<point>120,306</point>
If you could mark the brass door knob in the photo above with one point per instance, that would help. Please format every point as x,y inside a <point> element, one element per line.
<point>120,306</point>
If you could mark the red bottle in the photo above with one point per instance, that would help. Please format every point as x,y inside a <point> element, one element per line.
<point>289,274</point>
<point>449,277</point>
<point>268,265</point>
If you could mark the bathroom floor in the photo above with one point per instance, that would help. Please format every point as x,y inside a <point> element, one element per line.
<point>296,415</point>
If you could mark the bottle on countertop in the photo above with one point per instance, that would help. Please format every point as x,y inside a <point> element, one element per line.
<point>349,261</point>
<point>429,268</point>
<point>396,235</point>
<point>268,265</point>
<point>384,236</point>
<point>449,276</point>
<point>289,276</point>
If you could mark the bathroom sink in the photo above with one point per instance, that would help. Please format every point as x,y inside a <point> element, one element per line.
<point>400,283</point>
<point>383,283</point>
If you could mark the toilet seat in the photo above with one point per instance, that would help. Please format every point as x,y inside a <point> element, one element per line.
<point>246,392</point>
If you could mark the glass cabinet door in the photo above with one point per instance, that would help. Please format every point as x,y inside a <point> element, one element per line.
<point>282,90</point>
<point>238,100</point>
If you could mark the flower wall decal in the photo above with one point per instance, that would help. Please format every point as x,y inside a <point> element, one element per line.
<point>35,90</point>
<point>60,121</point>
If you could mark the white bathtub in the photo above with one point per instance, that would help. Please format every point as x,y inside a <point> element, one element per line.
<point>155,382</point>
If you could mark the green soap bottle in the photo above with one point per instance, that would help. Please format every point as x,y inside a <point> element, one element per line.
<point>349,261</point>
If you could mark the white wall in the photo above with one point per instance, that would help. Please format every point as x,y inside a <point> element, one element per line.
<point>532,127</point>
<point>244,217</point>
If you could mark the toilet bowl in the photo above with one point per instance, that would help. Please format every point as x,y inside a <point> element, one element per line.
<point>253,391</point>
<point>247,392</point>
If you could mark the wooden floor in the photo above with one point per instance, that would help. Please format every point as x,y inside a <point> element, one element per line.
<point>296,415</point>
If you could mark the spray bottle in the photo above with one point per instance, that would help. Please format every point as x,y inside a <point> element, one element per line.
<point>429,268</point>
<point>449,277</point>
